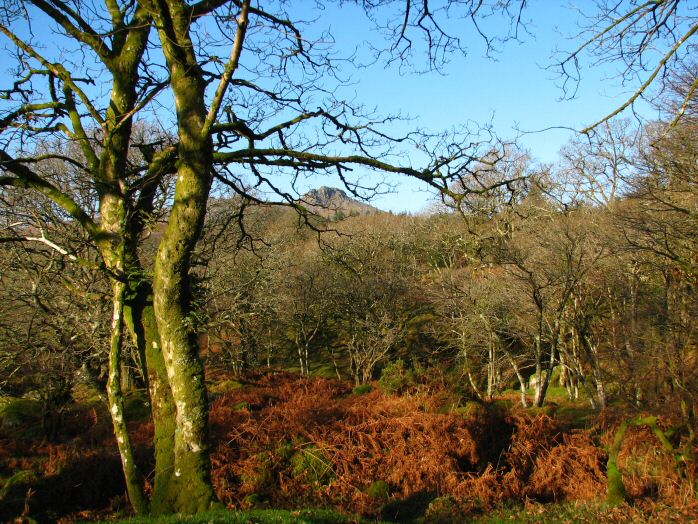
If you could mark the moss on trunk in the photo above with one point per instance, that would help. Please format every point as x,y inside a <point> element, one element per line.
<point>140,318</point>
<point>194,492</point>
<point>184,367</point>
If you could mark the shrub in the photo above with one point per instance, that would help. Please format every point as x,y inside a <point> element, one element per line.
<point>396,377</point>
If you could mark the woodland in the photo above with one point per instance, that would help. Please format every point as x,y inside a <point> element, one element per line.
<point>186,337</point>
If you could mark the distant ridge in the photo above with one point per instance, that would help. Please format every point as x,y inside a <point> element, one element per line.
<point>332,201</point>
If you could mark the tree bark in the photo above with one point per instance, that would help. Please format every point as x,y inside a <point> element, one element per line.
<point>179,346</point>
<point>134,485</point>
<point>140,319</point>
<point>185,371</point>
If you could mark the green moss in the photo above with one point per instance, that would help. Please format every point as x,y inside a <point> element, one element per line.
<point>285,451</point>
<point>443,510</point>
<point>362,389</point>
<point>616,489</point>
<point>312,463</point>
<point>543,514</point>
<point>379,490</point>
<point>226,386</point>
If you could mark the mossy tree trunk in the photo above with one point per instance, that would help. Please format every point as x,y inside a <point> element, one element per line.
<point>191,475</point>
<point>140,318</point>
<point>114,208</point>
<point>616,488</point>
<point>120,49</point>
<point>185,372</point>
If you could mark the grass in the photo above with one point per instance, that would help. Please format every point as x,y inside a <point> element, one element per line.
<point>532,513</point>
<point>256,516</point>
<point>583,512</point>
<point>545,514</point>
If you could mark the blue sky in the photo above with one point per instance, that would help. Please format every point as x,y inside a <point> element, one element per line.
<point>514,90</point>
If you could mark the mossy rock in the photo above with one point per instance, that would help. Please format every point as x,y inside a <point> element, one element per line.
<point>379,491</point>
<point>226,386</point>
<point>312,463</point>
<point>443,510</point>
<point>362,389</point>
<point>263,476</point>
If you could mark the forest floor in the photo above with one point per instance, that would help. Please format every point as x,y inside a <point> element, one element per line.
<point>282,443</point>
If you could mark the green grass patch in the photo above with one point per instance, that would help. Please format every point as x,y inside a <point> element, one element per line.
<point>576,415</point>
<point>256,516</point>
<point>324,371</point>
<point>587,512</point>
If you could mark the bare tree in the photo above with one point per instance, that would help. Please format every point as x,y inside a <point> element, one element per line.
<point>651,42</point>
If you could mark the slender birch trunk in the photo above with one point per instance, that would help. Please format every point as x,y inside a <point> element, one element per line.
<point>134,484</point>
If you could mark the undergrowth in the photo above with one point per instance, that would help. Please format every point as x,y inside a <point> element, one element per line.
<point>283,442</point>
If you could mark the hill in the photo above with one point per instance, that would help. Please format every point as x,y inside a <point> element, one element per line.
<point>331,201</point>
